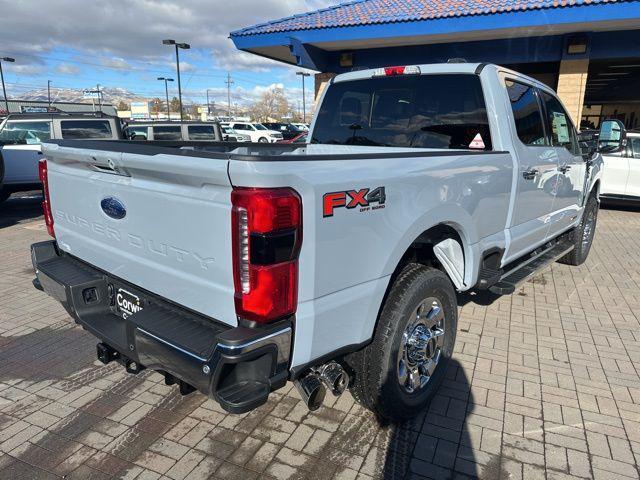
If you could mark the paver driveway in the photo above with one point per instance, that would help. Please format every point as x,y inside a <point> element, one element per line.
<point>544,383</point>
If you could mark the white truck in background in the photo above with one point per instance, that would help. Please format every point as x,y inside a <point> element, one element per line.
<point>335,264</point>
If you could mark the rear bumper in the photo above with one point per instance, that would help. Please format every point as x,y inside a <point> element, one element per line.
<point>238,367</point>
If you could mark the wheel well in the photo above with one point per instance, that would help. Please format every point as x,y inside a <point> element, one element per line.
<point>421,250</point>
<point>596,188</point>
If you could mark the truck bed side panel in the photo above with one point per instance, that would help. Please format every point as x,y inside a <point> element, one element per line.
<point>358,248</point>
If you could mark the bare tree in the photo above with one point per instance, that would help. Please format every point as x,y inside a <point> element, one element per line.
<point>272,105</point>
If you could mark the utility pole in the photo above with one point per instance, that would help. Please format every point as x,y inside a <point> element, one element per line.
<point>99,97</point>
<point>4,90</point>
<point>49,92</point>
<point>184,46</point>
<point>304,102</point>
<point>229,82</point>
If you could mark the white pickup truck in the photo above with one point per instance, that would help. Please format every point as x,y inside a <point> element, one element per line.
<point>335,264</point>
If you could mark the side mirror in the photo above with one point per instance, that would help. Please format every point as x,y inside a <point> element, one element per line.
<point>612,137</point>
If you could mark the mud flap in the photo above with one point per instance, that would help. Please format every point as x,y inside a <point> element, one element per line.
<point>449,253</point>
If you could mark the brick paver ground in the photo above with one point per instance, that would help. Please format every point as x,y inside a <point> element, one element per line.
<point>544,384</point>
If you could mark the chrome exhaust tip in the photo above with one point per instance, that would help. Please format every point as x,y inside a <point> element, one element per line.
<point>311,390</point>
<point>334,377</point>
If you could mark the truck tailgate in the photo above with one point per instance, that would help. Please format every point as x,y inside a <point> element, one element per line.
<point>174,239</point>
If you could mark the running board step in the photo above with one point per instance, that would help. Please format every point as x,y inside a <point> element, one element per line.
<point>522,272</point>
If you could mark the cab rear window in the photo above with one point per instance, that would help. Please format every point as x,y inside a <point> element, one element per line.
<point>84,129</point>
<point>423,111</point>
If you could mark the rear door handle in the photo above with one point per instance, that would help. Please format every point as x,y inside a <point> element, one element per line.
<point>530,174</point>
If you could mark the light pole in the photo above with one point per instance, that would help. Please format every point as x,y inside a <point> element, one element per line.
<point>49,92</point>
<point>4,90</point>
<point>184,46</point>
<point>208,105</point>
<point>304,103</point>
<point>166,91</point>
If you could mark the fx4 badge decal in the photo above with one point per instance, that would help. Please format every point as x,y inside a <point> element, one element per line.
<point>363,198</point>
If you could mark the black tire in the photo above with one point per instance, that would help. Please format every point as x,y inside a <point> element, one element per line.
<point>4,194</point>
<point>375,369</point>
<point>582,235</point>
<point>262,140</point>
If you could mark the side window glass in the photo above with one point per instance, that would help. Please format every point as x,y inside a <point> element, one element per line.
<point>635,147</point>
<point>167,133</point>
<point>526,113</point>
<point>29,133</point>
<point>562,132</point>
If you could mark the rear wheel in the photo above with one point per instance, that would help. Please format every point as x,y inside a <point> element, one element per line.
<point>582,235</point>
<point>396,375</point>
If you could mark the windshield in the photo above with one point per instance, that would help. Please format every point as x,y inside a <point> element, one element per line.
<point>259,126</point>
<point>423,111</point>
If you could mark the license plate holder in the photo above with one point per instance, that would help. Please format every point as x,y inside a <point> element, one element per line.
<point>127,303</point>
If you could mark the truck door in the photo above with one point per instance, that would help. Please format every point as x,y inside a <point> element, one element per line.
<point>633,153</point>
<point>567,185</point>
<point>537,162</point>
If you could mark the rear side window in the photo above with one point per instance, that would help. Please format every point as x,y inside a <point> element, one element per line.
<point>167,133</point>
<point>139,132</point>
<point>560,127</point>
<point>29,133</point>
<point>422,111</point>
<point>83,129</point>
<point>201,132</point>
<point>526,113</point>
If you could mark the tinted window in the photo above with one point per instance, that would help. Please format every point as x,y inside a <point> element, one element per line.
<point>167,133</point>
<point>526,113</point>
<point>133,131</point>
<point>635,147</point>
<point>85,129</point>
<point>26,132</point>
<point>425,111</point>
<point>201,132</point>
<point>240,126</point>
<point>559,124</point>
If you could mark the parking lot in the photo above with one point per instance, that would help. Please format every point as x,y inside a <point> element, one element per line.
<point>544,383</point>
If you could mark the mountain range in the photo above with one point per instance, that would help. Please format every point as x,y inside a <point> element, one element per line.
<point>110,95</point>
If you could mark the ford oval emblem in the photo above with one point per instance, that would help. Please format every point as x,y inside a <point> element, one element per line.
<point>113,208</point>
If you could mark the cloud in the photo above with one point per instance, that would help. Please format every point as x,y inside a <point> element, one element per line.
<point>116,62</point>
<point>67,69</point>
<point>125,31</point>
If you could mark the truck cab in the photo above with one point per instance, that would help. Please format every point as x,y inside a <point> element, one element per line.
<point>175,131</point>
<point>21,136</point>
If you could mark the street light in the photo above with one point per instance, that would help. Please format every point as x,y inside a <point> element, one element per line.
<point>166,90</point>
<point>304,103</point>
<point>208,105</point>
<point>184,46</point>
<point>4,90</point>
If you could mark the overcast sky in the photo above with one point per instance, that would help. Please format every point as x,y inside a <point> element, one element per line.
<point>118,43</point>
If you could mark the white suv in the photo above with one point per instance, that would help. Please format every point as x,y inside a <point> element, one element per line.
<point>257,132</point>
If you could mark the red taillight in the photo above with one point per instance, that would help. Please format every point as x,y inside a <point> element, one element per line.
<point>267,235</point>
<point>46,204</point>
<point>393,71</point>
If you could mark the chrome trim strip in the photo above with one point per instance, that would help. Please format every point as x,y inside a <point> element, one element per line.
<point>257,340</point>
<point>172,345</point>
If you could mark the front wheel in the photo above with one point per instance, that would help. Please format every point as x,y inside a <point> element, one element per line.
<point>582,235</point>
<point>262,140</point>
<point>396,375</point>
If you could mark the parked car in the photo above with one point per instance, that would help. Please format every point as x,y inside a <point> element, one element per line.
<point>230,135</point>
<point>621,174</point>
<point>301,126</point>
<point>288,130</point>
<point>175,131</point>
<point>22,134</point>
<point>333,266</point>
<point>257,132</point>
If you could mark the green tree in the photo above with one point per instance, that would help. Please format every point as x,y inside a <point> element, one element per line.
<point>175,104</point>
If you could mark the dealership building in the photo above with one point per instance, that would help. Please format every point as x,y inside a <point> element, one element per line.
<point>588,51</point>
